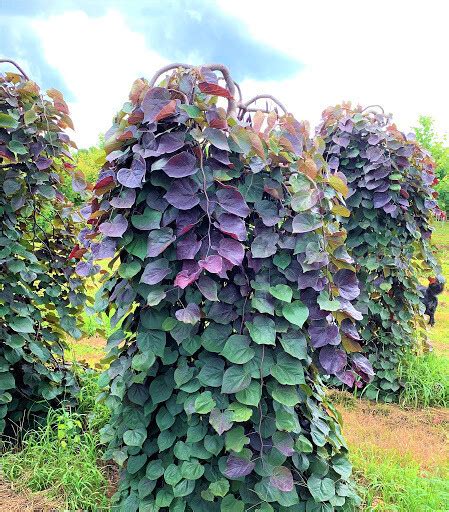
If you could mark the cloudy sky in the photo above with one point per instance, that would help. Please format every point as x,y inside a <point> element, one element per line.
<point>309,54</point>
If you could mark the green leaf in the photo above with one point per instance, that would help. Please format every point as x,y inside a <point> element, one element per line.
<point>296,313</point>
<point>303,445</point>
<point>237,349</point>
<point>29,117</point>
<point>135,437</point>
<point>192,470</point>
<point>240,412</point>
<point>129,270</point>
<point>287,370</point>
<point>7,380</point>
<point>204,403</point>
<point>262,330</point>
<point>322,489</point>
<point>149,219</point>
<point>235,379</point>
<point>287,395</point>
<point>295,344</point>
<point>282,292</point>
<point>17,147</point>
<point>235,439</point>
<point>230,504</point>
<point>193,111</point>
<point>7,121</point>
<point>21,324</point>
<point>220,487</point>
<point>326,303</point>
<point>251,395</point>
<point>172,475</point>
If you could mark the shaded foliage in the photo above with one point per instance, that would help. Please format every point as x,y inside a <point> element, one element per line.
<point>392,204</point>
<point>36,287</point>
<point>235,288</point>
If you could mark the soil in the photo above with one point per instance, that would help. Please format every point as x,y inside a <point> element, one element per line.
<point>12,500</point>
<point>419,433</point>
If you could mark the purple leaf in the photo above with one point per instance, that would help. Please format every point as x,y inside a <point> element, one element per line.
<point>132,177</point>
<point>232,225</point>
<point>78,183</point>
<point>347,377</point>
<point>362,366</point>
<point>323,333</point>
<point>181,165</point>
<point>159,240</point>
<point>231,200</point>
<point>156,100</point>
<point>167,143</point>
<point>183,194</point>
<point>187,247</point>
<point>232,250</point>
<point>43,163</point>
<point>217,138</point>
<point>208,287</point>
<point>189,315</point>
<point>236,467</point>
<point>332,359</point>
<point>125,199</point>
<point>212,264</point>
<point>155,271</point>
<point>381,199</point>
<point>104,249</point>
<point>284,443</point>
<point>116,228</point>
<point>85,268</point>
<point>264,245</point>
<point>186,277</point>
<point>347,284</point>
<point>282,479</point>
<point>349,329</point>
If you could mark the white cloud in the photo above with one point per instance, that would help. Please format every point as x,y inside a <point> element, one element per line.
<point>98,58</point>
<point>386,52</point>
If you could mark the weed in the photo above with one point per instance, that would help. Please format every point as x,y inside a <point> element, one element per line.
<point>426,380</point>
<point>393,483</point>
<point>60,458</point>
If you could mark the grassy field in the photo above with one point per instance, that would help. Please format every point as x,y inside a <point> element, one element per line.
<point>400,452</point>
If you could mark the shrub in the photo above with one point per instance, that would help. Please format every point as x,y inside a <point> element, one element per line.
<point>36,286</point>
<point>234,286</point>
<point>391,205</point>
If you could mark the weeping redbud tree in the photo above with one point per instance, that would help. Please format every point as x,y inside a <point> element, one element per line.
<point>234,288</point>
<point>392,205</point>
<point>38,293</point>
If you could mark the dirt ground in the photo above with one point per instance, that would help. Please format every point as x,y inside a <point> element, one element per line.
<point>419,433</point>
<point>15,501</point>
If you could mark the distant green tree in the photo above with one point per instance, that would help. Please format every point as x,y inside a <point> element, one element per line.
<point>438,147</point>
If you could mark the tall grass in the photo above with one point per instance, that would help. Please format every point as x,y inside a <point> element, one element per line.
<point>390,482</point>
<point>61,457</point>
<point>426,380</point>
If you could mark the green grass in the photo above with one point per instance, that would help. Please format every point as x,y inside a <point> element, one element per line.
<point>61,457</point>
<point>390,482</point>
<point>426,381</point>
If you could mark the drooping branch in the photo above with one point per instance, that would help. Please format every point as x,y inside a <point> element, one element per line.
<point>17,66</point>
<point>370,107</point>
<point>232,104</point>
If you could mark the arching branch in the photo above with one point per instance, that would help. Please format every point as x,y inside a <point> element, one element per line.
<point>232,104</point>
<point>374,106</point>
<point>17,66</point>
<point>244,106</point>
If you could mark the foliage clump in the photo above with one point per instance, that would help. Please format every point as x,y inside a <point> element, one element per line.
<point>38,296</point>
<point>392,205</point>
<point>234,288</point>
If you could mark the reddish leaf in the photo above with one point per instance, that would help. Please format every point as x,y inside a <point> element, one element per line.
<point>214,90</point>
